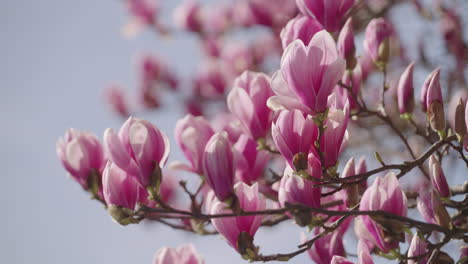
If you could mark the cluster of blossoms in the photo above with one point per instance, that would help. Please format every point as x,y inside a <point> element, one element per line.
<point>271,150</point>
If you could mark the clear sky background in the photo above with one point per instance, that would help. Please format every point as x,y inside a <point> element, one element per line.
<point>56,58</point>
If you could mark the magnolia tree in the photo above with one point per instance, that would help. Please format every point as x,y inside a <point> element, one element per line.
<point>272,116</point>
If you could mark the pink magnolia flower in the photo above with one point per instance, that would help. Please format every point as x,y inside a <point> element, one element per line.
<point>385,194</point>
<point>332,141</point>
<point>139,148</point>
<point>345,43</point>
<point>294,189</point>
<point>216,19</point>
<point>432,80</point>
<point>218,165</point>
<point>192,134</point>
<point>154,73</point>
<point>308,75</point>
<point>418,247</point>
<point>323,250</point>
<point>434,102</point>
<point>185,254</point>
<point>155,70</point>
<point>81,154</point>
<point>377,35</point>
<point>250,163</point>
<point>363,234</point>
<point>229,123</point>
<point>434,91</point>
<point>293,134</point>
<point>431,208</point>
<point>211,80</point>
<point>143,10</point>
<point>301,27</point>
<point>340,260</point>
<point>405,92</point>
<point>188,16</point>
<point>120,188</point>
<point>116,99</point>
<point>352,192</point>
<point>231,227</point>
<point>328,13</point>
<point>247,101</point>
<point>438,179</point>
<point>237,57</point>
<point>363,253</point>
<point>272,13</point>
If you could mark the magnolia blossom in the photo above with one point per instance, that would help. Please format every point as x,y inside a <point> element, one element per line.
<point>332,141</point>
<point>139,148</point>
<point>81,154</point>
<point>438,179</point>
<point>346,47</point>
<point>231,228</point>
<point>293,134</point>
<point>340,260</point>
<point>228,123</point>
<point>237,57</point>
<point>247,101</point>
<point>431,208</point>
<point>406,91</point>
<point>144,13</point>
<point>376,40</point>
<point>434,101</point>
<point>188,16</point>
<point>120,188</point>
<point>301,27</point>
<point>211,80</point>
<point>324,248</point>
<point>417,250</point>
<point>352,192</point>
<point>328,13</point>
<point>192,134</point>
<point>432,80</point>
<point>185,254</point>
<point>273,13</point>
<point>363,252</point>
<point>294,189</point>
<point>385,194</point>
<point>308,75</point>
<point>218,166</point>
<point>250,163</point>
<point>116,99</point>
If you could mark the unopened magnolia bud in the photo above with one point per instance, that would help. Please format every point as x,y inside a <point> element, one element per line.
<point>440,212</point>
<point>405,92</point>
<point>352,192</point>
<point>459,120</point>
<point>376,41</point>
<point>436,116</point>
<point>438,179</point>
<point>345,45</point>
